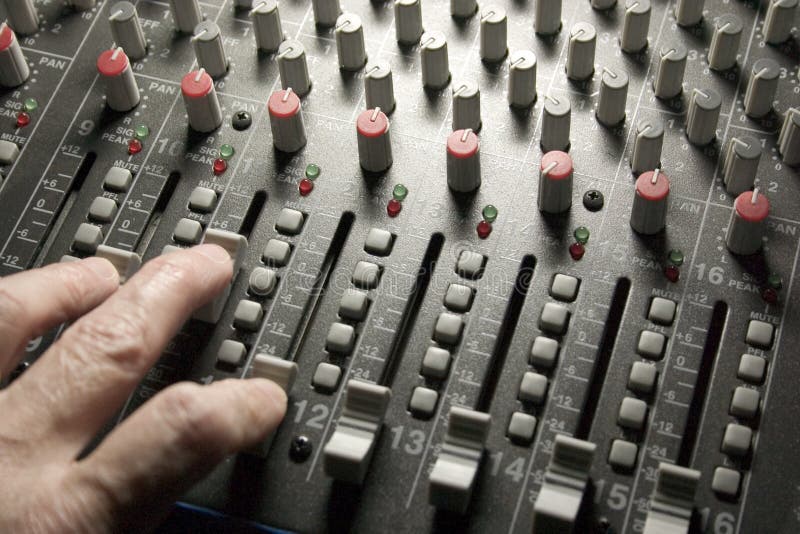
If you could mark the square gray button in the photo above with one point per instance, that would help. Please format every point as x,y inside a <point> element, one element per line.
<point>117,179</point>
<point>231,352</point>
<point>470,264</point>
<point>759,334</point>
<point>662,311</point>
<point>752,368</point>
<point>564,287</point>
<point>737,439</point>
<point>366,275</point>
<point>188,231</point>
<point>202,200</point>
<point>651,344</point>
<point>9,152</point>
<point>102,209</point>
<point>458,298</point>
<point>262,282</point>
<point>290,222</point>
<point>423,402</point>
<point>623,454</point>
<point>326,377</point>
<point>544,352</point>
<point>642,378</point>
<point>248,315</point>
<point>435,363</point>
<point>745,402</point>
<point>341,338</point>
<point>521,428</point>
<point>533,388</point>
<point>726,482</point>
<point>353,305</point>
<point>379,242</point>
<point>87,238</point>
<point>277,253</point>
<point>554,318</point>
<point>632,413</point>
<point>448,329</point>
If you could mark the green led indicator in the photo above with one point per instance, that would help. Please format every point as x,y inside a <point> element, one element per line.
<point>312,171</point>
<point>489,213</point>
<point>141,132</point>
<point>676,257</point>
<point>30,104</point>
<point>774,281</point>
<point>400,192</point>
<point>226,152</point>
<point>581,235</point>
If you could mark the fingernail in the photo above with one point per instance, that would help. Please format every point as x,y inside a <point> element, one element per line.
<point>272,390</point>
<point>102,268</point>
<point>214,253</point>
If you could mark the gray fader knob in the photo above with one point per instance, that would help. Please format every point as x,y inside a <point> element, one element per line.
<point>580,52</point>
<point>555,182</point>
<point>286,121</point>
<point>293,67</point>
<point>267,25</point>
<point>725,42</point>
<point>613,97</point>
<point>201,101</point>
<point>689,12</point>
<point>741,164</point>
<point>703,115</point>
<point>374,142</point>
<point>350,42</point>
<point>555,124</point>
<point>635,26</point>
<point>463,161</point>
<point>207,42</point>
<point>326,12</point>
<point>494,33</point>
<point>186,13</point>
<point>127,30</point>
<point>408,21</point>
<point>522,79</point>
<point>379,87</point>
<point>650,203</point>
<point>789,139</point>
<point>647,146</point>
<point>122,93</point>
<point>747,224</point>
<point>22,16</point>
<point>466,106</point>
<point>761,87</point>
<point>547,17</point>
<point>779,21</point>
<point>671,69</point>
<point>435,62</point>
<point>463,9</point>
<point>14,69</point>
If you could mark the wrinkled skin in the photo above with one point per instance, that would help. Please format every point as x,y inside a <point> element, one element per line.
<point>53,410</point>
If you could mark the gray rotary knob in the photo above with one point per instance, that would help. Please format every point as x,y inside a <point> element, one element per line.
<point>374,142</point>
<point>556,117</point>
<point>613,97</point>
<point>435,62</point>
<point>789,139</point>
<point>580,51</point>
<point>747,223</point>
<point>555,182</point>
<point>463,161</point>
<point>689,12</point>
<point>408,21</point>
<point>14,70</point>
<point>122,93</point>
<point>522,79</point>
<point>379,87</point>
<point>267,27</point>
<point>293,67</point>
<point>740,165</point>
<point>636,26</point>
<point>186,14</point>
<point>650,203</point>
<point>547,17</point>
<point>466,106</point>
<point>647,146</point>
<point>779,21</point>
<point>725,42</point>
<point>22,16</point>
<point>286,121</point>
<point>668,82</point>
<point>326,12</point>
<point>201,101</point>
<point>126,30</point>
<point>761,88</point>
<point>463,9</point>
<point>207,42</point>
<point>702,117</point>
<point>350,42</point>
<point>82,5</point>
<point>494,33</point>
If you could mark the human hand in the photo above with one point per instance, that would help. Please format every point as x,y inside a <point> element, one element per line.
<point>51,412</point>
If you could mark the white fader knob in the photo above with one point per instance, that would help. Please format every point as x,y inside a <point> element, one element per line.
<point>556,124</point>
<point>555,182</point>
<point>522,79</point>
<point>267,27</point>
<point>740,165</point>
<point>494,33</point>
<point>14,69</point>
<point>746,227</point>
<point>463,161</point>
<point>580,52</point>
<point>350,42</point>
<point>435,62</point>
<point>761,88</point>
<point>293,67</point>
<point>286,121</point>
<point>725,42</point>
<point>702,117</point>
<point>650,203</point>
<point>374,142</point>
<point>547,17</point>
<point>122,93</point>
<point>127,30</point>
<point>22,16</point>
<point>671,69</point>
<point>326,12</point>
<point>689,12</point>
<point>789,139</point>
<point>613,97</point>
<point>466,106</point>
<point>463,9</point>
<point>207,42</point>
<point>186,13</point>
<point>408,21</point>
<point>635,26</point>
<point>779,21</point>
<point>647,146</point>
<point>379,87</point>
<point>202,103</point>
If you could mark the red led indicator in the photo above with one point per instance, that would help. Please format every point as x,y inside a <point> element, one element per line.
<point>393,208</point>
<point>672,273</point>
<point>576,250</point>
<point>23,119</point>
<point>220,166</point>
<point>770,296</point>
<point>134,146</point>
<point>305,187</point>
<point>484,229</point>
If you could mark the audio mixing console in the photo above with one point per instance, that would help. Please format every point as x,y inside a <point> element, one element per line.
<point>522,267</point>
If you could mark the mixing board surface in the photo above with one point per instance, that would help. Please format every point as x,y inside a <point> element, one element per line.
<point>527,266</point>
